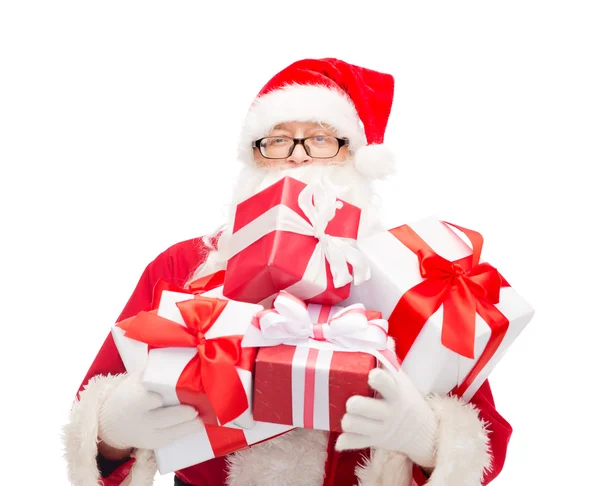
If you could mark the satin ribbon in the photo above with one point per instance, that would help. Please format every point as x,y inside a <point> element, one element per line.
<point>465,289</point>
<point>198,286</point>
<point>212,371</point>
<point>319,207</point>
<point>225,440</point>
<point>289,322</point>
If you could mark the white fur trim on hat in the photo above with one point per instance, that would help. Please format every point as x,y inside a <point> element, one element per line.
<point>301,102</point>
<point>462,456</point>
<point>80,438</point>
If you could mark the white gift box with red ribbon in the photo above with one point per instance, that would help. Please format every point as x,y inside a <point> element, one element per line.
<point>161,369</point>
<point>429,259</point>
<point>166,370</point>
<point>213,442</point>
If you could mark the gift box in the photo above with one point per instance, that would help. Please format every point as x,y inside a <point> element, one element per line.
<point>452,316</point>
<point>213,441</point>
<point>307,387</point>
<point>134,354</point>
<point>295,237</point>
<point>313,358</point>
<point>175,343</point>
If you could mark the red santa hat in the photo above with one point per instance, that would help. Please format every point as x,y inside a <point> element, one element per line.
<point>354,100</point>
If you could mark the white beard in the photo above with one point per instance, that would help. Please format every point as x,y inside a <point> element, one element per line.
<point>343,180</point>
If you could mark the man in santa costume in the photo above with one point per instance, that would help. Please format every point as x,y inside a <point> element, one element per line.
<point>315,120</point>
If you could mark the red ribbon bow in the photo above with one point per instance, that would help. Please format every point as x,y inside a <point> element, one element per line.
<point>198,286</point>
<point>211,374</point>
<point>465,290</point>
<point>460,291</point>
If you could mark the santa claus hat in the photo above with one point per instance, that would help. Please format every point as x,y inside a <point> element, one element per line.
<point>354,100</point>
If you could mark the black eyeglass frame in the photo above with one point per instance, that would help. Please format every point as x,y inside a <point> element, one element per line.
<point>341,143</point>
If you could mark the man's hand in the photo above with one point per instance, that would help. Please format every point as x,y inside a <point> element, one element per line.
<point>133,417</point>
<point>400,420</point>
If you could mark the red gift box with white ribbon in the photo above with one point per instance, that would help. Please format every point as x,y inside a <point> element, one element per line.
<point>312,359</point>
<point>295,237</point>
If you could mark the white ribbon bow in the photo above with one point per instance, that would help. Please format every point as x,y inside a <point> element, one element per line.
<point>319,206</point>
<point>289,322</point>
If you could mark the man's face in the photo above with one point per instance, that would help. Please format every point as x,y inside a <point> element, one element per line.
<point>322,143</point>
<point>331,163</point>
<point>338,174</point>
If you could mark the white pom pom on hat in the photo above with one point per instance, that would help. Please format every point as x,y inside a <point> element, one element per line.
<point>354,100</point>
<point>375,161</point>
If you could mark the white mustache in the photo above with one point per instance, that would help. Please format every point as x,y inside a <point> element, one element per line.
<point>343,180</point>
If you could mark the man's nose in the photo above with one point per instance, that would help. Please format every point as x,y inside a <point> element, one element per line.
<point>299,155</point>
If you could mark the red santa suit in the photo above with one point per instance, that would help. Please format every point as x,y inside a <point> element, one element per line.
<point>473,437</point>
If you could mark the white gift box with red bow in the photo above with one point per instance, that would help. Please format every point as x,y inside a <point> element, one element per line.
<point>160,368</point>
<point>452,316</point>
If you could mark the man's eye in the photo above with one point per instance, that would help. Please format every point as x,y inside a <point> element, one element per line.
<point>275,141</point>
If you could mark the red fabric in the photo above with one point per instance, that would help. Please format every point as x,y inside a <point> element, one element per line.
<point>118,475</point>
<point>371,92</point>
<point>175,266</point>
<point>500,429</point>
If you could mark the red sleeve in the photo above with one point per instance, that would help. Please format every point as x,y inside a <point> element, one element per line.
<point>174,265</point>
<point>118,476</point>
<point>499,429</point>
<point>499,434</point>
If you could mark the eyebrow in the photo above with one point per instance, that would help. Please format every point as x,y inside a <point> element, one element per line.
<point>284,127</point>
<point>319,129</point>
<point>281,129</point>
<point>281,126</point>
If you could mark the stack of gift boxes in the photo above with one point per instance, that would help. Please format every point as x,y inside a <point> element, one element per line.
<point>303,313</point>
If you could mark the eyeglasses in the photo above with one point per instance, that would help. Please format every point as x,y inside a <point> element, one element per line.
<point>319,147</point>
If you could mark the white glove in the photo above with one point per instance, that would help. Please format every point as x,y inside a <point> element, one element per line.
<point>133,417</point>
<point>399,421</point>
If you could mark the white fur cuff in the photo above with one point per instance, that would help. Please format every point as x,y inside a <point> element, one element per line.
<point>462,454</point>
<point>80,438</point>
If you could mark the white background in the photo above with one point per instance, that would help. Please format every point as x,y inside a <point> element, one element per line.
<point>118,130</point>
